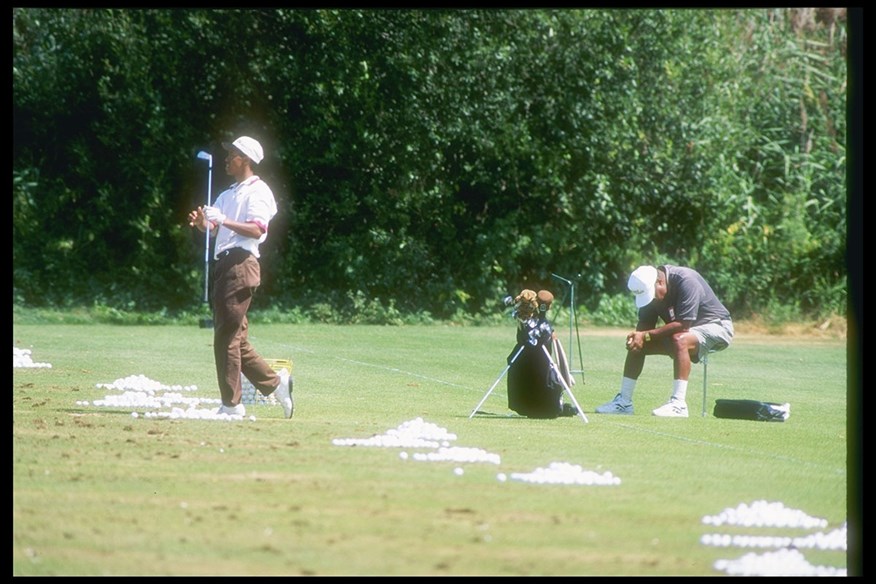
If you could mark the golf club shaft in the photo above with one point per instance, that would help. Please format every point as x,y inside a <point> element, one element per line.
<point>207,239</point>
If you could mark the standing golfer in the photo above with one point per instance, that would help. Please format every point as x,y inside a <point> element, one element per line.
<point>695,323</point>
<point>239,221</point>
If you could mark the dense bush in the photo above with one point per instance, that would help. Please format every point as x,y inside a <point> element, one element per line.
<point>431,161</point>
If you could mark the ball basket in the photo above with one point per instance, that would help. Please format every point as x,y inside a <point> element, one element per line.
<point>252,396</point>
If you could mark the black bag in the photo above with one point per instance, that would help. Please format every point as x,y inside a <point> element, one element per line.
<point>533,388</point>
<point>749,409</point>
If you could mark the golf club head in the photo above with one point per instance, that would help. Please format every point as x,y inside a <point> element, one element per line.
<point>205,156</point>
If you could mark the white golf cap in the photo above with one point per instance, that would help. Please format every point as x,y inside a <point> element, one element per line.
<point>250,148</point>
<point>641,283</point>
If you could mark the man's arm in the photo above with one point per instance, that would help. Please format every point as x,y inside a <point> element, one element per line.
<point>247,229</point>
<point>647,329</point>
<point>216,217</point>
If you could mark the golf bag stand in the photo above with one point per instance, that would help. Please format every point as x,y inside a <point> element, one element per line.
<point>521,346</point>
<point>495,383</point>
<point>565,385</point>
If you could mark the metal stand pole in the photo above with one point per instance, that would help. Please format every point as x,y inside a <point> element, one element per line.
<point>573,316</point>
<point>565,385</point>
<point>705,380</point>
<point>578,334</point>
<point>498,379</point>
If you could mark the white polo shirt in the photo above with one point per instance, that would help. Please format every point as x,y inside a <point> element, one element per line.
<point>249,201</point>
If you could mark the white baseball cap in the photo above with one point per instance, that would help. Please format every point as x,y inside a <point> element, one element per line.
<point>250,148</point>
<point>641,283</point>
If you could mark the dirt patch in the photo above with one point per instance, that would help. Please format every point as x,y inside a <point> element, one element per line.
<point>835,327</point>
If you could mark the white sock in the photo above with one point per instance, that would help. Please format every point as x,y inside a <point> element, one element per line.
<point>626,391</point>
<point>679,389</point>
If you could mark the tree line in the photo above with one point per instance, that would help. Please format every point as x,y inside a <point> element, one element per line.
<point>434,160</point>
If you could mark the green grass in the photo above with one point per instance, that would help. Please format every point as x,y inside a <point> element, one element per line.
<point>97,492</point>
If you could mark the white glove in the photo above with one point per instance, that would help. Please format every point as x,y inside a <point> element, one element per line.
<point>215,215</point>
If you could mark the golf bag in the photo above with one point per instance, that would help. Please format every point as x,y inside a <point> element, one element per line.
<point>749,409</point>
<point>534,390</point>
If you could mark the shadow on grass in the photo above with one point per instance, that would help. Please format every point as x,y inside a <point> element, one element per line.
<point>91,411</point>
<point>508,416</point>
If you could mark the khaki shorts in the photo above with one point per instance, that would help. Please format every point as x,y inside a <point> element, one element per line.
<point>713,336</point>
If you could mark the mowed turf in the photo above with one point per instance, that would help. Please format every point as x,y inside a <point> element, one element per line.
<point>98,492</point>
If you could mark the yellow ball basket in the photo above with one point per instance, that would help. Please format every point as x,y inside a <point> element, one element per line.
<point>252,396</point>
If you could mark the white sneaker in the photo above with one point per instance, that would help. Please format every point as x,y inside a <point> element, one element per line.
<point>283,393</point>
<point>616,406</point>
<point>672,409</point>
<point>237,410</point>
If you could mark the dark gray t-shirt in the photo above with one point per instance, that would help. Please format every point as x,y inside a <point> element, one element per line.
<point>689,299</point>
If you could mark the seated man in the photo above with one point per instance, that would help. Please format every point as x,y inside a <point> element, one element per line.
<point>695,323</point>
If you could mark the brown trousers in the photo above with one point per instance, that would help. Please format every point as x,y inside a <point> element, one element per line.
<point>235,279</point>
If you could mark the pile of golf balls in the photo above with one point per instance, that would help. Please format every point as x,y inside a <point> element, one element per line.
<point>193,413</point>
<point>143,384</point>
<point>787,560</point>
<point>784,562</point>
<point>418,433</point>
<point>142,399</point>
<point>140,392</point>
<point>764,514</point>
<point>564,473</point>
<point>414,433</point>
<point>22,358</point>
<point>836,539</point>
<point>457,454</point>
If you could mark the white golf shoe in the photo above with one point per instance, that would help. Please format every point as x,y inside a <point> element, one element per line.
<point>283,393</point>
<point>237,410</point>
<point>672,409</point>
<point>616,406</point>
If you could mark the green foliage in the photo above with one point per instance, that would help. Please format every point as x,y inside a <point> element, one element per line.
<point>615,310</point>
<point>780,234</point>
<point>428,161</point>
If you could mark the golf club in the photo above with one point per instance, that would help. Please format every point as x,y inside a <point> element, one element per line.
<point>202,155</point>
